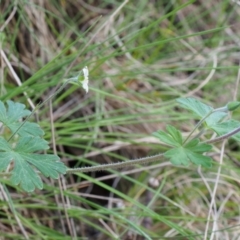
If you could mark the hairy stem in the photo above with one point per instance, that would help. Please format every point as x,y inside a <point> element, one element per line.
<point>225,136</point>
<point>142,160</point>
<point>102,167</point>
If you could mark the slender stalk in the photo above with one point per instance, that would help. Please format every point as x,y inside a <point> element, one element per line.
<point>151,158</point>
<point>227,135</point>
<point>102,167</point>
<point>222,109</point>
<point>198,125</point>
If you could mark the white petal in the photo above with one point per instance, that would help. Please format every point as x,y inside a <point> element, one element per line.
<point>85,85</point>
<point>85,72</point>
<point>85,81</point>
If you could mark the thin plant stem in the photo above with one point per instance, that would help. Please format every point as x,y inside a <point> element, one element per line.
<point>198,125</point>
<point>151,158</point>
<point>202,120</point>
<point>102,167</point>
<point>225,136</point>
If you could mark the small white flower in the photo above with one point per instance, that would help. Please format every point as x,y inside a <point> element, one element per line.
<point>79,79</point>
<point>85,81</point>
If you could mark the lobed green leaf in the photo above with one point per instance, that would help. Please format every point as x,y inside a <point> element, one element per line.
<point>12,118</point>
<point>172,138</point>
<point>175,134</point>
<point>30,144</point>
<point>49,165</point>
<point>197,147</point>
<point>25,162</point>
<point>201,110</point>
<point>24,174</point>
<point>183,156</point>
<point>226,127</point>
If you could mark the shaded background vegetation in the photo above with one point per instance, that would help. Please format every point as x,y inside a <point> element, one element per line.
<point>141,56</point>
